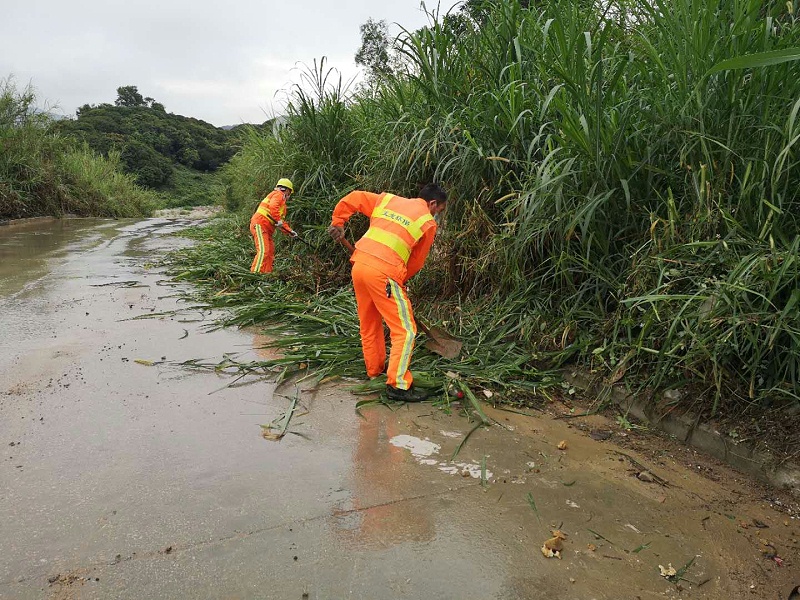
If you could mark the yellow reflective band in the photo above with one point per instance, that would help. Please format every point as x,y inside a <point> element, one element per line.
<point>408,343</point>
<point>389,240</point>
<point>416,226</point>
<point>390,215</point>
<point>413,227</point>
<point>382,205</point>
<point>260,249</point>
<point>265,213</point>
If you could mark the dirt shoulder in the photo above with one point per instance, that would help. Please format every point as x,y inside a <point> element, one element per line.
<point>752,528</point>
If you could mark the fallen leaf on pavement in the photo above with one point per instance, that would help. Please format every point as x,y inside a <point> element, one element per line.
<point>668,571</point>
<point>552,547</point>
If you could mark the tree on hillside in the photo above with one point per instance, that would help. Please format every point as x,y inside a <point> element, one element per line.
<point>375,50</point>
<point>151,169</point>
<point>128,95</point>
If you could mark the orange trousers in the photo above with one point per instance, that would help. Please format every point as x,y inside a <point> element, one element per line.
<point>265,248</point>
<point>381,299</point>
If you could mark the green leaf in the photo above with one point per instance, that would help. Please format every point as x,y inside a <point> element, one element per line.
<point>760,59</point>
<point>532,503</point>
<point>464,441</point>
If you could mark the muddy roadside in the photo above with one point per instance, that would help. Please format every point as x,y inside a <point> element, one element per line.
<point>128,474</point>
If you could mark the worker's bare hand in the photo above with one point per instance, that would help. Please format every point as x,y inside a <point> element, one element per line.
<point>336,233</point>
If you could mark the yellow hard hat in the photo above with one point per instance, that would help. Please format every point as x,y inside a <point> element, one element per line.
<point>285,183</point>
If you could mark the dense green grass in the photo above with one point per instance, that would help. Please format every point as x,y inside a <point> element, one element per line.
<point>624,180</point>
<point>313,319</point>
<point>193,188</point>
<point>43,173</point>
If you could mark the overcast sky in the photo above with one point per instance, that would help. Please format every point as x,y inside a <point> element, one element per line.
<point>222,62</point>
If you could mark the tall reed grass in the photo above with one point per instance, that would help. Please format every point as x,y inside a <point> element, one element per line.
<point>625,176</point>
<point>43,173</point>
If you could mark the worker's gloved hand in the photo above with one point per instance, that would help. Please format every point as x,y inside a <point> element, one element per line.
<point>293,233</point>
<point>336,233</point>
<point>279,224</point>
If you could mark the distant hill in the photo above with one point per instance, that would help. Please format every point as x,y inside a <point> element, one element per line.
<point>151,141</point>
<point>267,123</point>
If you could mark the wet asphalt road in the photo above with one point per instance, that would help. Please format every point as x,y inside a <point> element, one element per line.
<point>130,481</point>
<point>123,480</point>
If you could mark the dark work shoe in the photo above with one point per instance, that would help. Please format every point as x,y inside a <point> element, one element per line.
<point>410,395</point>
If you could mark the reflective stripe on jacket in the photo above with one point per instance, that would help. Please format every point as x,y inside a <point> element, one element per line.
<point>400,235</point>
<point>271,210</point>
<point>395,226</point>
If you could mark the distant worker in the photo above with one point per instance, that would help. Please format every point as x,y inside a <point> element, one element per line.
<point>393,250</point>
<point>268,216</point>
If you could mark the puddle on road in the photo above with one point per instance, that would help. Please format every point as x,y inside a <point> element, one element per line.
<point>34,248</point>
<point>27,247</point>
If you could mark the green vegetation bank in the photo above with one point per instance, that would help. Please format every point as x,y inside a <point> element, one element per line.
<point>43,172</point>
<point>625,194</point>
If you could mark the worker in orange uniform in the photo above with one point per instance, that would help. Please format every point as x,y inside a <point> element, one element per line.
<point>392,251</point>
<point>268,216</point>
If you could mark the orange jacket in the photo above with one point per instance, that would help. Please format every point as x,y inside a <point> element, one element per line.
<point>400,235</point>
<point>271,210</point>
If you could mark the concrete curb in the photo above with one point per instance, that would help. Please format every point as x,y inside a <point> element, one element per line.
<point>743,457</point>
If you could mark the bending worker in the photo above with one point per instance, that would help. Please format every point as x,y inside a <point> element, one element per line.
<point>268,216</point>
<point>394,248</point>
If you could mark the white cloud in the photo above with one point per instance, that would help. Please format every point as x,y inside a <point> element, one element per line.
<point>225,63</point>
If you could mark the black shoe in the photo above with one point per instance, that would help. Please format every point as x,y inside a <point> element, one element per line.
<point>410,395</point>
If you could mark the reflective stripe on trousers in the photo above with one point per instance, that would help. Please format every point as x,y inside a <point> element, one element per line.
<point>265,249</point>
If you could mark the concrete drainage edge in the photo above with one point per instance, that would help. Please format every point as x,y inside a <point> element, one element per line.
<point>741,456</point>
